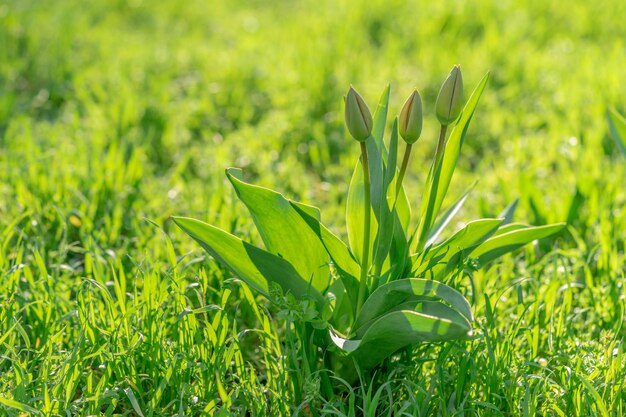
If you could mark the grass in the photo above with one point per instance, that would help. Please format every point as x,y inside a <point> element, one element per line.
<point>119,112</point>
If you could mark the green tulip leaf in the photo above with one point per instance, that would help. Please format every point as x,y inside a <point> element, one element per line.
<point>506,228</point>
<point>457,247</point>
<point>284,232</point>
<point>501,244</point>
<point>256,267</point>
<point>440,175</point>
<point>339,253</point>
<point>446,217</point>
<point>394,293</point>
<point>399,329</point>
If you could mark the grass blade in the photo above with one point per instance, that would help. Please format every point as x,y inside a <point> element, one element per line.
<point>617,126</point>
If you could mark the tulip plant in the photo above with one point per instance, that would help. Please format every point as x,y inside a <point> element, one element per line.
<point>356,304</point>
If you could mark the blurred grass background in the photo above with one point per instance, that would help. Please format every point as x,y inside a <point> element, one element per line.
<point>115,111</point>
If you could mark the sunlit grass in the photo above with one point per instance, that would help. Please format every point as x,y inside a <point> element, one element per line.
<point>114,112</point>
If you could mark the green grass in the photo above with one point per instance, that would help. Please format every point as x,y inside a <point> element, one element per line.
<point>116,112</point>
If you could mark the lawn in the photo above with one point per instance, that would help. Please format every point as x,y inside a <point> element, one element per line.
<point>117,115</point>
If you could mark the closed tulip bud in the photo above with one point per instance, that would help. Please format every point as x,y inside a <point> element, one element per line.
<point>450,99</point>
<point>411,118</point>
<point>358,116</point>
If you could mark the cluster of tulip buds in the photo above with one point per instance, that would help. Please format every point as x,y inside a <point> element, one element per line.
<point>359,123</point>
<point>447,108</point>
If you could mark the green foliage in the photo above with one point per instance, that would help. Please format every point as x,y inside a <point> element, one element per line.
<point>114,111</point>
<point>390,310</point>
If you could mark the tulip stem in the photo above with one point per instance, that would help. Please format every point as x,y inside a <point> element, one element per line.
<point>441,144</point>
<point>366,228</point>
<point>405,163</point>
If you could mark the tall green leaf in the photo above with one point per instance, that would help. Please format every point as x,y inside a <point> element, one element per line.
<point>355,207</point>
<point>255,266</point>
<point>284,232</point>
<point>441,171</point>
<point>386,209</point>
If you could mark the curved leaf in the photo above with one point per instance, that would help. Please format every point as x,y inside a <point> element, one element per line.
<point>504,243</point>
<point>460,245</point>
<point>402,328</point>
<point>386,210</point>
<point>441,171</point>
<point>255,266</point>
<point>386,297</point>
<point>284,232</point>
<point>509,227</point>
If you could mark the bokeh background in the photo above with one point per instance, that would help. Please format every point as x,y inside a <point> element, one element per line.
<point>113,112</point>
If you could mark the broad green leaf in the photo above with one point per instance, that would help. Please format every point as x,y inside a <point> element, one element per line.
<point>399,329</point>
<point>343,260</point>
<point>617,125</point>
<point>255,266</point>
<point>394,293</point>
<point>441,171</point>
<point>457,247</point>
<point>506,228</point>
<point>355,208</point>
<point>310,210</point>
<point>507,242</point>
<point>284,232</point>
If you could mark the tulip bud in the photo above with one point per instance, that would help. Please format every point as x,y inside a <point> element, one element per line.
<point>450,99</point>
<point>411,118</point>
<point>358,116</point>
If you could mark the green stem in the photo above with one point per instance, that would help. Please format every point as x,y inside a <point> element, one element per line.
<point>441,143</point>
<point>366,229</point>
<point>427,223</point>
<point>405,163</point>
